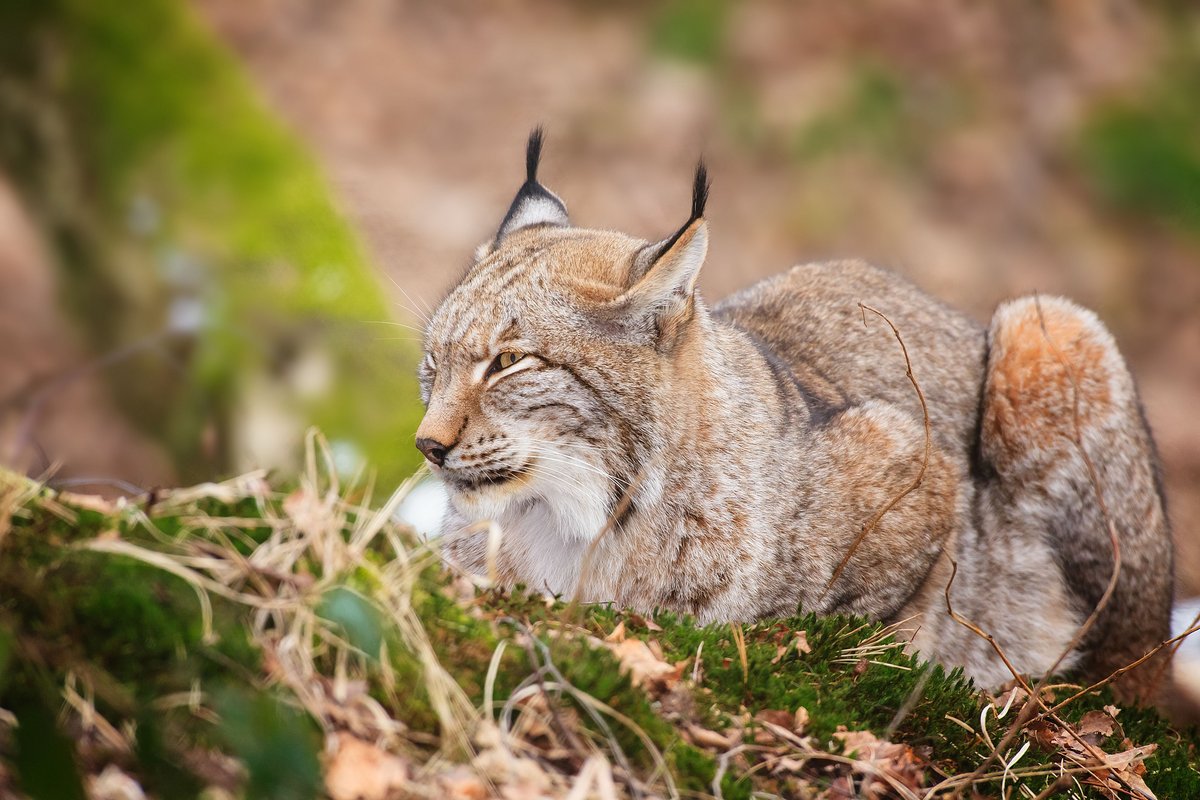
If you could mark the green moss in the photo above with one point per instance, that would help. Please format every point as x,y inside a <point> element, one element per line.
<point>44,759</point>
<point>130,634</point>
<point>832,682</point>
<point>138,625</point>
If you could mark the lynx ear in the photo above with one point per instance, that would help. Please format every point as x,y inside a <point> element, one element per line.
<point>534,203</point>
<point>664,274</point>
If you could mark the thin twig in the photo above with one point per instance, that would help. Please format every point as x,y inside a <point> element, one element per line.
<point>1093,476</point>
<point>1061,782</point>
<point>585,565</point>
<point>1166,662</point>
<point>1026,708</point>
<point>920,477</point>
<point>1122,670</point>
<point>971,626</point>
<point>564,731</point>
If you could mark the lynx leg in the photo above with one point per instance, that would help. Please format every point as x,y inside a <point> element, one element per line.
<point>1056,388</point>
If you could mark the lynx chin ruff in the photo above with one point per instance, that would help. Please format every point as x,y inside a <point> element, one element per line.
<point>634,445</point>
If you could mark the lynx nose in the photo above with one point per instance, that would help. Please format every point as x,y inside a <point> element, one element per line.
<point>434,450</point>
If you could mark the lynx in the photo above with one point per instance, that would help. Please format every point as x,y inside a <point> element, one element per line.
<point>629,444</point>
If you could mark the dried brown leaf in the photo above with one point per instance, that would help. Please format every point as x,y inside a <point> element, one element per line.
<point>704,737</point>
<point>1043,734</point>
<point>618,634</point>
<point>644,667</point>
<point>1097,726</point>
<point>461,783</point>
<point>1128,759</point>
<point>780,651</point>
<point>359,770</point>
<point>643,622</point>
<point>857,743</point>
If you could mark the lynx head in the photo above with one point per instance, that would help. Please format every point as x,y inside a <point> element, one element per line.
<point>541,367</point>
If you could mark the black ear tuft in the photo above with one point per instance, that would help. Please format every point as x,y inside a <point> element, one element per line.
<point>700,187</point>
<point>533,154</point>
<point>534,203</point>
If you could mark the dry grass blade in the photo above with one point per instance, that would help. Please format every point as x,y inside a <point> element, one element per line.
<point>868,766</point>
<point>93,721</point>
<point>15,492</point>
<point>877,644</point>
<point>739,639</point>
<point>594,707</point>
<point>314,541</point>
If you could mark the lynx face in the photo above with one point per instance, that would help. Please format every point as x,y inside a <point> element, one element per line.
<point>516,382</point>
<point>537,364</point>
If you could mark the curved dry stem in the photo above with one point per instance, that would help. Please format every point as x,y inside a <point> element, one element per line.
<point>916,482</point>
<point>586,564</point>
<point>1094,478</point>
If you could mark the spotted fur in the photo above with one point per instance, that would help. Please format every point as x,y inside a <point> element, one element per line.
<point>721,461</point>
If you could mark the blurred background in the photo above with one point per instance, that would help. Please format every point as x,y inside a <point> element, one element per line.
<point>222,221</point>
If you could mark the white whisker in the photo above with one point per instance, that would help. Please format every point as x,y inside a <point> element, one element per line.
<point>606,449</point>
<point>587,448</point>
<point>562,458</point>
<point>424,315</point>
<point>395,324</point>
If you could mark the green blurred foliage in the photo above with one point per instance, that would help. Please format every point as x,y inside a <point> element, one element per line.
<point>1143,153</point>
<point>130,633</point>
<point>168,190</point>
<point>44,759</point>
<point>873,114</point>
<point>690,30</point>
<point>884,113</point>
<point>357,620</point>
<point>277,743</point>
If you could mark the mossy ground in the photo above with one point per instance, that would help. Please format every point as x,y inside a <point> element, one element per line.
<point>127,639</point>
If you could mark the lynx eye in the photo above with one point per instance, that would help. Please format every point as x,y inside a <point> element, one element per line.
<point>504,361</point>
